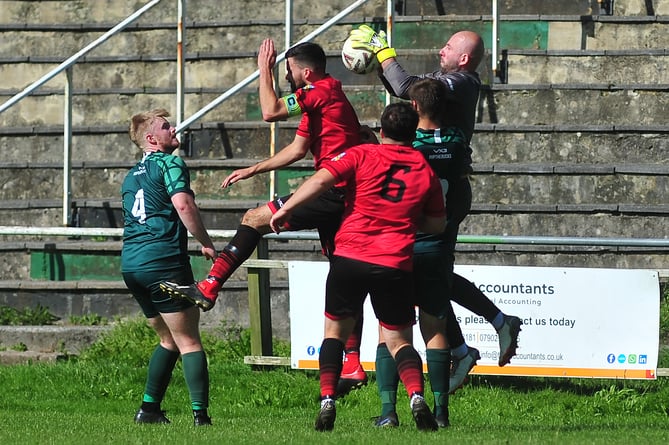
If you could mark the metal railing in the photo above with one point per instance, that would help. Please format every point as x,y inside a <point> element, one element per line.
<point>260,318</point>
<point>183,124</point>
<point>313,236</point>
<point>68,91</point>
<point>66,67</point>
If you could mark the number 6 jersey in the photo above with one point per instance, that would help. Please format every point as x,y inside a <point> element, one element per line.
<point>388,189</point>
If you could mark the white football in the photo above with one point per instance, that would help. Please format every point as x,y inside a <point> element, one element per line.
<point>360,61</point>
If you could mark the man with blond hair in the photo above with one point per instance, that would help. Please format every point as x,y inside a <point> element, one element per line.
<point>158,212</point>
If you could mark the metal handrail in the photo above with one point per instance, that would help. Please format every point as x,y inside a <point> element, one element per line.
<point>67,118</point>
<point>251,77</point>
<point>73,59</point>
<point>307,235</point>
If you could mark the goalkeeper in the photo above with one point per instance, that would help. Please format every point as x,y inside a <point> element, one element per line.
<point>458,60</point>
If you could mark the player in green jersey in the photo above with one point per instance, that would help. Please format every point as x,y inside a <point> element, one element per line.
<point>158,212</point>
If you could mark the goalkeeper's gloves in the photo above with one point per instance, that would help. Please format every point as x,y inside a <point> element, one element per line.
<point>366,38</point>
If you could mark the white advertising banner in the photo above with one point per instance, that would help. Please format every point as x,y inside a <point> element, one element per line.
<point>576,322</point>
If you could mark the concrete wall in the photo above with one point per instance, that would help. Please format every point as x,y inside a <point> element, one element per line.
<point>574,145</point>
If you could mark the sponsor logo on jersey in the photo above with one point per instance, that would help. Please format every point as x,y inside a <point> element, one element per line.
<point>339,156</point>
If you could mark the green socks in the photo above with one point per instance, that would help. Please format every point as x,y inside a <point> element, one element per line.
<point>197,378</point>
<point>161,365</point>
<point>387,379</point>
<point>439,371</point>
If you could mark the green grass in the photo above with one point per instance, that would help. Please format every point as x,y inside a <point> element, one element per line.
<point>26,316</point>
<point>92,399</point>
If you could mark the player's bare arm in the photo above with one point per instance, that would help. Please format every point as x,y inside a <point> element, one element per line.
<point>273,108</point>
<point>321,181</point>
<point>184,203</point>
<point>292,152</point>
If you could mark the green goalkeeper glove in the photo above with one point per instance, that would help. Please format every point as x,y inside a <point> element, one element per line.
<point>366,38</point>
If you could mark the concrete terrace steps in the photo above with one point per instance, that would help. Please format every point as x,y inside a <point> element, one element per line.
<point>463,7</point>
<point>520,168</point>
<point>219,136</point>
<point>83,11</point>
<point>212,10</point>
<point>495,183</point>
<point>111,299</point>
<point>625,128</point>
<point>352,19</point>
<point>525,66</point>
<point>541,104</point>
<point>51,343</point>
<point>54,339</point>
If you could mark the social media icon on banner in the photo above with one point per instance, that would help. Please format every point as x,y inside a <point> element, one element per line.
<point>621,358</point>
<point>631,359</point>
<point>611,358</point>
<point>311,350</point>
<point>643,359</point>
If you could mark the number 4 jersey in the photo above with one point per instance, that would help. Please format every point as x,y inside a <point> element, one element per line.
<point>154,238</point>
<point>388,189</point>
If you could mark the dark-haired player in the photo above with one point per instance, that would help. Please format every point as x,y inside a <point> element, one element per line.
<point>459,59</point>
<point>327,127</point>
<point>445,149</point>
<point>391,192</point>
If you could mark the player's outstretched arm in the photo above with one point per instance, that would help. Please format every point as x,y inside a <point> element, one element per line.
<point>273,108</point>
<point>292,152</point>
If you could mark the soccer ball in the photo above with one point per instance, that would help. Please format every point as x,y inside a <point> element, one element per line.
<point>360,61</point>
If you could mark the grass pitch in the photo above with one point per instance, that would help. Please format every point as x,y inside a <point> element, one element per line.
<point>92,399</point>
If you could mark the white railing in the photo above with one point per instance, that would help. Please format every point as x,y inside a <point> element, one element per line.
<point>67,118</point>
<point>183,124</point>
<point>66,67</point>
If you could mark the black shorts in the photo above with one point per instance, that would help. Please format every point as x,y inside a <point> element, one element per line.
<point>458,204</point>
<point>323,213</point>
<point>391,292</point>
<point>434,255</point>
<point>433,277</point>
<point>144,286</point>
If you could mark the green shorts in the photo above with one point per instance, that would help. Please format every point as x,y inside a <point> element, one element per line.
<point>144,286</point>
